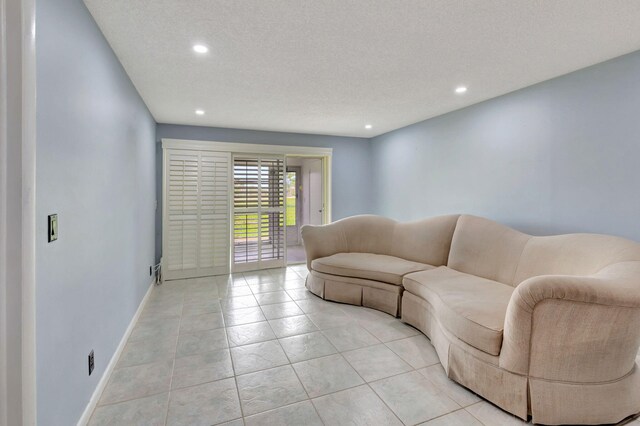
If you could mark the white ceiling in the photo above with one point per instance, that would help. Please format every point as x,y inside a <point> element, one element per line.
<point>331,66</point>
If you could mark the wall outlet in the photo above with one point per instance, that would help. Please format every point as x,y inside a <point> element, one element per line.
<point>91,362</point>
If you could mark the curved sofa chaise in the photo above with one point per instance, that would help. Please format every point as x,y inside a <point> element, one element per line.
<point>540,326</point>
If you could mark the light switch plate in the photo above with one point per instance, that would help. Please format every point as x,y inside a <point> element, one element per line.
<point>53,227</point>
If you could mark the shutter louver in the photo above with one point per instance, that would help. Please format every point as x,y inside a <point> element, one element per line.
<point>196,214</point>
<point>258,212</point>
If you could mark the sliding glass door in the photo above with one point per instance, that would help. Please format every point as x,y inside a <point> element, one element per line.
<point>258,212</point>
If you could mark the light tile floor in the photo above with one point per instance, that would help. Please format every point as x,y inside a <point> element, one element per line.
<point>296,254</point>
<point>259,349</point>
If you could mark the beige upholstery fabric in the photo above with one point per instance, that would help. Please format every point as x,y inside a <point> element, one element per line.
<point>471,308</point>
<point>573,254</point>
<point>490,250</point>
<point>393,288</point>
<point>377,267</point>
<point>590,404</point>
<point>426,241</point>
<point>421,315</point>
<point>500,386</point>
<point>467,365</point>
<point>581,329</point>
<point>546,326</point>
<point>356,291</point>
<point>486,249</point>
<point>315,285</point>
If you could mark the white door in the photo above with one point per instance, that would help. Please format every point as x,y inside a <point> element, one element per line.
<point>316,206</point>
<point>258,212</point>
<point>294,204</point>
<point>196,213</point>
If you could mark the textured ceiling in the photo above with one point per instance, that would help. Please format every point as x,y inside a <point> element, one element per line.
<point>331,66</point>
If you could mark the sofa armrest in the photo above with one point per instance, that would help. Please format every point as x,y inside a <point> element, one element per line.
<point>574,328</point>
<point>322,240</point>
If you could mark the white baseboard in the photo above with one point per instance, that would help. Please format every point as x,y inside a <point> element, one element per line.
<point>97,393</point>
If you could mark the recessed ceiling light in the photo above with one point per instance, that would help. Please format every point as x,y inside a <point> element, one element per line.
<point>200,112</point>
<point>200,48</point>
<point>461,89</point>
<point>368,126</point>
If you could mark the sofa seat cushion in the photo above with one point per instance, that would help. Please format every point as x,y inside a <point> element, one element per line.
<point>377,267</point>
<point>471,308</point>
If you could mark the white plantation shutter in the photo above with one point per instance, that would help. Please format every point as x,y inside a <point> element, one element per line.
<point>214,211</point>
<point>258,211</point>
<point>245,206</point>
<point>196,213</point>
<point>272,209</point>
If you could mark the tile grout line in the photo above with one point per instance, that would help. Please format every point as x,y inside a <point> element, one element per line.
<point>138,397</point>
<point>367,383</point>
<point>225,378</point>
<point>416,371</point>
<point>481,422</point>
<point>284,406</point>
<point>132,399</point>
<point>364,382</point>
<point>233,367</point>
<point>385,402</point>
<point>173,365</point>
<point>322,331</point>
<point>154,362</point>
<point>98,404</point>
<point>451,412</point>
<point>303,388</point>
<point>385,343</point>
<point>212,381</point>
<point>315,409</point>
<point>288,358</point>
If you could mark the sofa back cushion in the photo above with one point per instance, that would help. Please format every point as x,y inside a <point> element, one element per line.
<point>486,249</point>
<point>367,234</point>
<point>425,241</point>
<point>490,250</point>
<point>573,254</point>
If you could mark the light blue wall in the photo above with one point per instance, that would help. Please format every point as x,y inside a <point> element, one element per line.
<point>96,169</point>
<point>560,156</point>
<point>351,171</point>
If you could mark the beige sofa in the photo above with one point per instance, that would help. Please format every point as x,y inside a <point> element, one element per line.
<point>540,326</point>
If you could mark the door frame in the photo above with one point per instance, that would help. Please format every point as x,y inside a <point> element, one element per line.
<point>325,154</point>
<point>17,212</point>
<point>326,161</point>
<point>298,171</point>
<point>312,195</point>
